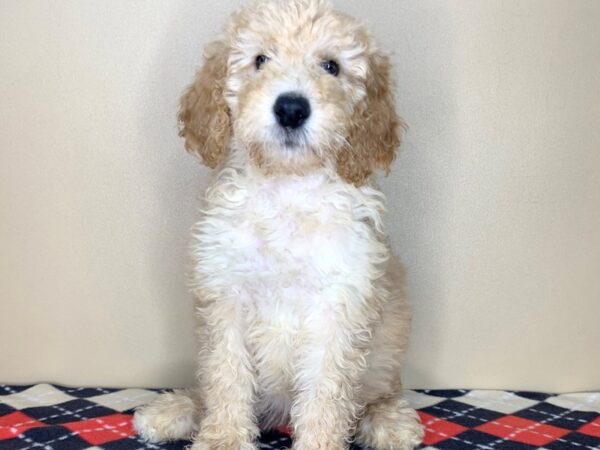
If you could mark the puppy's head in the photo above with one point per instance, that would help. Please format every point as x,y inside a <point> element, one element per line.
<point>296,86</point>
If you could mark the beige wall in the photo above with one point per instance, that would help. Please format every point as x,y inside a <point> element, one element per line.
<point>495,200</point>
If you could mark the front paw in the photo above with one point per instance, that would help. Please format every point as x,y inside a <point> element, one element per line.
<point>318,446</point>
<point>221,444</point>
<point>319,441</point>
<point>215,436</point>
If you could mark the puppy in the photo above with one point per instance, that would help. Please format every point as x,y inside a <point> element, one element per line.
<point>302,318</point>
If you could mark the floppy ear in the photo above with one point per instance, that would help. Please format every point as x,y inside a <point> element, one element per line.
<point>203,113</point>
<point>375,129</point>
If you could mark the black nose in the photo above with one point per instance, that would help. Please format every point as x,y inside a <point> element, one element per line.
<point>291,110</point>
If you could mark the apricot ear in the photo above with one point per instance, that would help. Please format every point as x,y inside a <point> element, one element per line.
<point>203,114</point>
<point>375,130</point>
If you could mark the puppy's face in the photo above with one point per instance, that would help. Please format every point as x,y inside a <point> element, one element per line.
<point>297,86</point>
<point>296,75</point>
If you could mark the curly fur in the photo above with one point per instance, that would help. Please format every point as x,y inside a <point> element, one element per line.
<point>375,129</point>
<point>204,114</point>
<point>302,318</point>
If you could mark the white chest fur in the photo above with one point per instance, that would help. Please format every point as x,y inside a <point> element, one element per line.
<point>278,240</point>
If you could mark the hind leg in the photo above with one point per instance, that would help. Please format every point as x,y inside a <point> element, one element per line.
<point>169,417</point>
<point>390,424</point>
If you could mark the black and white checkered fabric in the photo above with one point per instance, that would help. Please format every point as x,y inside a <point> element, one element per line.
<point>48,417</point>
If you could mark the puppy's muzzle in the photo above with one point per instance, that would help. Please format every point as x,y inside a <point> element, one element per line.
<point>291,110</point>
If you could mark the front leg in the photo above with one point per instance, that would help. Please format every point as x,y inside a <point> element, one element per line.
<point>226,381</point>
<point>331,360</point>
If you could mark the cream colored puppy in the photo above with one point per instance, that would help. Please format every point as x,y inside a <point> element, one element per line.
<point>302,318</point>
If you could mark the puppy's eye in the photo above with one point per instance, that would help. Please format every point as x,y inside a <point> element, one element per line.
<point>260,60</point>
<point>331,67</point>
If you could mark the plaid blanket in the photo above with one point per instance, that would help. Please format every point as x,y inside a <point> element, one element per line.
<point>48,417</point>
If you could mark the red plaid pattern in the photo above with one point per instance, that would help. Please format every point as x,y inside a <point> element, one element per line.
<point>523,430</point>
<point>16,423</point>
<point>103,429</point>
